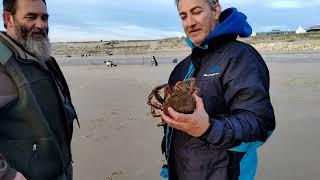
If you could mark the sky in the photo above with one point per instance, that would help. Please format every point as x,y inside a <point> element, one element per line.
<point>95,20</point>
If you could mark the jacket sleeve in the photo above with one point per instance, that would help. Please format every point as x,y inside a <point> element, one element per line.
<point>250,115</point>
<point>8,91</point>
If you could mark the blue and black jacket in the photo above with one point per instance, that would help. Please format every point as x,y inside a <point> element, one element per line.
<point>234,84</point>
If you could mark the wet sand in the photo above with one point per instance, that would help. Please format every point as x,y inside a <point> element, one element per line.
<point>119,140</point>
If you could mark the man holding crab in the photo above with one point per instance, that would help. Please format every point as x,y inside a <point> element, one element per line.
<point>234,114</point>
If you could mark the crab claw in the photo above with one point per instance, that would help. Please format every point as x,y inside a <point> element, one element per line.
<point>162,123</point>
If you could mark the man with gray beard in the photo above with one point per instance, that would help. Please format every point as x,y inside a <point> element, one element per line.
<point>41,49</point>
<point>36,112</point>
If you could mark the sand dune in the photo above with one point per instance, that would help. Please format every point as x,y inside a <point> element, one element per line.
<point>284,43</point>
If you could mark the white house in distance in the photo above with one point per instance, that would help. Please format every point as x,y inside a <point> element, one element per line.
<point>300,30</point>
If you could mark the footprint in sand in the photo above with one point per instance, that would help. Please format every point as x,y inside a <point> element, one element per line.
<point>115,173</point>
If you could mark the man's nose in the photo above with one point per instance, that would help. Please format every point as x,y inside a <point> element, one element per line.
<point>191,21</point>
<point>41,24</point>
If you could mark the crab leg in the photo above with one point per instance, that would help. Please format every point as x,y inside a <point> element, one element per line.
<point>155,93</point>
<point>158,97</point>
<point>167,91</point>
<point>190,83</point>
<point>155,105</point>
<point>162,123</point>
<point>154,113</point>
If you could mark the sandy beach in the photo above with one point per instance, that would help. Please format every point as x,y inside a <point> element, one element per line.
<point>119,140</point>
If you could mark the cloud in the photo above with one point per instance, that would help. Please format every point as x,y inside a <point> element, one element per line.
<point>292,4</point>
<point>64,33</point>
<point>86,20</point>
<point>237,2</point>
<point>286,4</point>
<point>104,20</point>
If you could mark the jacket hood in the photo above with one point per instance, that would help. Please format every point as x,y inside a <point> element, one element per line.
<point>232,22</point>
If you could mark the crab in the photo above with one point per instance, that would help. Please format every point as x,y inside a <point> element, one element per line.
<point>179,97</point>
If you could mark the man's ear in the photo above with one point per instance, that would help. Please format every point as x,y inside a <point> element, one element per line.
<point>217,11</point>
<point>8,19</point>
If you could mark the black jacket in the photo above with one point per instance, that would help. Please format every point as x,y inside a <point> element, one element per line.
<point>234,84</point>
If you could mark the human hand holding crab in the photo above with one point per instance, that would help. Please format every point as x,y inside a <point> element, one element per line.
<point>195,124</point>
<point>181,108</point>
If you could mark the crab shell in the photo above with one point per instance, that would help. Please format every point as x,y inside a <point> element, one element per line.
<point>180,102</point>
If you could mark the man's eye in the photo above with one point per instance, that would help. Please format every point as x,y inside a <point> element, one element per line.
<point>183,17</point>
<point>30,17</point>
<point>45,19</point>
<point>197,12</point>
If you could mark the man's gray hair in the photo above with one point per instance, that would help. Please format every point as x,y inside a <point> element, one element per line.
<point>211,2</point>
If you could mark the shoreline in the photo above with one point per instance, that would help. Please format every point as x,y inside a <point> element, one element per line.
<point>167,59</point>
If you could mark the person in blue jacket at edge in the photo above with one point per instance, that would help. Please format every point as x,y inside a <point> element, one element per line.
<point>233,114</point>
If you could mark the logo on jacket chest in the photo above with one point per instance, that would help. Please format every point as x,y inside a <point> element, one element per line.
<point>214,70</point>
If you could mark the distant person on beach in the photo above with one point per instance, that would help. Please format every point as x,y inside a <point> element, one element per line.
<point>233,114</point>
<point>155,61</point>
<point>109,63</point>
<point>36,112</point>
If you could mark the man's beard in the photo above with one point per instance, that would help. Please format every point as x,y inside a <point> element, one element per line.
<point>40,48</point>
